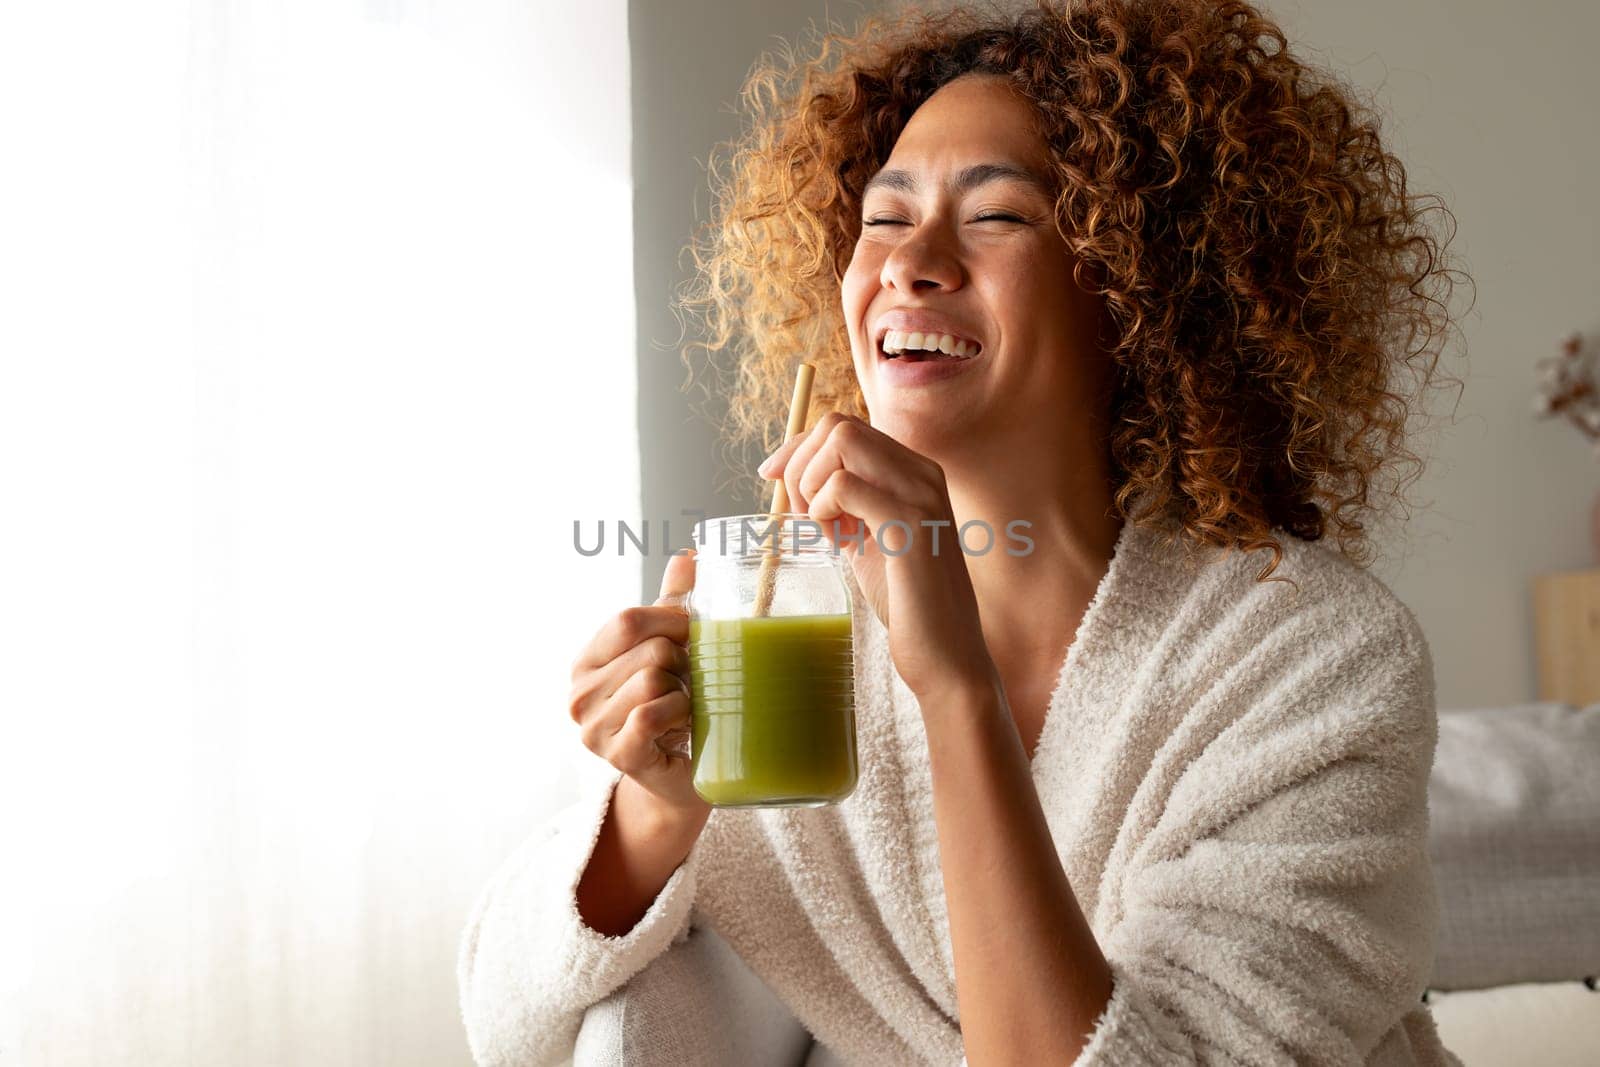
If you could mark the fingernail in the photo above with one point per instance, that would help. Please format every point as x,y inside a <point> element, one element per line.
<point>765,468</point>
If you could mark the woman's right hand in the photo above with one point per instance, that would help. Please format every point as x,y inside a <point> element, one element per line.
<point>630,694</point>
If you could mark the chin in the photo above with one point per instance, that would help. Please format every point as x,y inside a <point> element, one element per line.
<point>925,428</point>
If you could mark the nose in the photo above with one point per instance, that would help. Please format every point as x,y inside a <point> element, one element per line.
<point>924,259</point>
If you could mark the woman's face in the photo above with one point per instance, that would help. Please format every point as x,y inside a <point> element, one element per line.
<point>958,240</point>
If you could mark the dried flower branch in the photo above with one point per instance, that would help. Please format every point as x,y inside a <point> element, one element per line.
<point>1568,387</point>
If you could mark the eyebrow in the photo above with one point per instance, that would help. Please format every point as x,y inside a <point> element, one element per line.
<point>965,180</point>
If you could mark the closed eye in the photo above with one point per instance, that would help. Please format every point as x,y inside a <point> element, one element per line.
<point>991,217</point>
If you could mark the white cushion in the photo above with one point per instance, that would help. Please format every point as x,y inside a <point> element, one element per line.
<point>1515,838</point>
<point>1552,1025</point>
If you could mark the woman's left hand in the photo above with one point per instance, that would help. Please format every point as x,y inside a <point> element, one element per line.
<point>884,494</point>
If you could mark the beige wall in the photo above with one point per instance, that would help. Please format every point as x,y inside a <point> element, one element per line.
<point>690,58</point>
<point>1491,106</point>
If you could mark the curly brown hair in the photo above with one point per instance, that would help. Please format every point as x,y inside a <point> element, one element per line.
<point>1281,296</point>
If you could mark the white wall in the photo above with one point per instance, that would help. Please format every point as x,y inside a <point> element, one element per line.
<point>1493,107</point>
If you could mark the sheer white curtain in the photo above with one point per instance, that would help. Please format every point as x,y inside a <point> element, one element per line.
<point>316,335</point>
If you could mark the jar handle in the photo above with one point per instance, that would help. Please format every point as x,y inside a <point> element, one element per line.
<point>681,742</point>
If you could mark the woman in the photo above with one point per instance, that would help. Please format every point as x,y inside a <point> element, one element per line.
<point>1178,287</point>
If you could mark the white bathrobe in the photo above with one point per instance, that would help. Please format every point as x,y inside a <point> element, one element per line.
<point>1235,778</point>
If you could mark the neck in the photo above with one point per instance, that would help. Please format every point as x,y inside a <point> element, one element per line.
<point>1033,602</point>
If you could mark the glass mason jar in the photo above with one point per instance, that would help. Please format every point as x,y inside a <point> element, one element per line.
<point>772,694</point>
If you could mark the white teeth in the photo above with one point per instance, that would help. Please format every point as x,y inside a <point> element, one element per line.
<point>897,341</point>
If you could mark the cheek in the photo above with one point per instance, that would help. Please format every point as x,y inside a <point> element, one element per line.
<point>860,278</point>
<point>856,292</point>
<point>857,289</point>
<point>1030,288</point>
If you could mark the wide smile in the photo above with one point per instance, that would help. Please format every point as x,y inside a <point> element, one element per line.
<point>910,346</point>
<point>908,359</point>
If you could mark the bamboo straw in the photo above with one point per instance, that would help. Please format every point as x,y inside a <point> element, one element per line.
<point>767,580</point>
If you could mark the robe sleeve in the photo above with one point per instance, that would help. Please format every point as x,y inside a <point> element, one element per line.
<point>1282,908</point>
<point>529,967</point>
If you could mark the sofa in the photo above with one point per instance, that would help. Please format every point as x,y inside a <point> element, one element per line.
<point>1515,839</point>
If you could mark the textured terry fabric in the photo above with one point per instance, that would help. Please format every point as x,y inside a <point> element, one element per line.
<point>696,1005</point>
<point>1235,778</point>
<point>1515,803</point>
<point>529,965</point>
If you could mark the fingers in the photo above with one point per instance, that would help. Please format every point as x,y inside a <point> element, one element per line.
<point>638,659</point>
<point>846,494</point>
<point>858,448</point>
<point>802,457</point>
<point>636,638</point>
<point>777,465</point>
<point>840,442</point>
<point>772,466</point>
<point>593,687</point>
<point>658,651</point>
<point>600,728</point>
<point>630,627</point>
<point>631,682</point>
<point>638,745</point>
<point>677,582</point>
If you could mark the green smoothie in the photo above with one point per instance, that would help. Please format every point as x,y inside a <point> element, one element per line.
<point>773,702</point>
